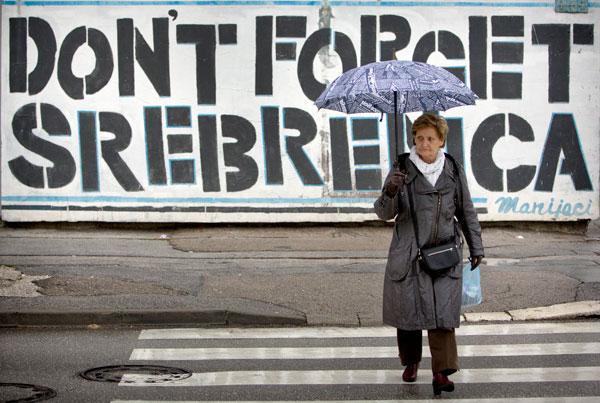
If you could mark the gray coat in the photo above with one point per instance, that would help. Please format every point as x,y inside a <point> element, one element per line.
<point>412,299</point>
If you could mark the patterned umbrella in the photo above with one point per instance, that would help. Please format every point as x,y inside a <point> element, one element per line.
<point>419,86</point>
<point>395,86</point>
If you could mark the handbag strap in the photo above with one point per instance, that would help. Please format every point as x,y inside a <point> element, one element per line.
<point>458,197</point>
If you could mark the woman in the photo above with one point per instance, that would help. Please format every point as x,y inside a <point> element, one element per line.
<point>414,300</point>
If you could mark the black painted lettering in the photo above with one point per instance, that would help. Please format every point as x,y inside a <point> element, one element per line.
<point>182,171</point>
<point>424,47</point>
<point>179,143</point>
<point>72,85</point>
<point>366,155</point>
<point>125,57</point>
<point>340,155</point>
<point>88,151</point>
<point>507,52</point>
<point>43,37</point>
<point>368,179</point>
<point>157,174</point>
<point>519,177</point>
<point>227,34</point>
<point>508,25</point>
<point>290,26</point>
<point>478,55</point>
<point>155,63</point>
<point>119,126</point>
<point>285,51</point>
<point>486,172</point>
<point>404,127</point>
<point>18,55</point>
<point>557,37</point>
<point>507,85</point>
<point>368,39</point>
<point>263,84</point>
<point>583,34</point>
<point>235,155</point>
<point>450,45</point>
<point>300,120</point>
<point>563,137</point>
<point>55,124</point>
<point>400,27</point>
<point>103,70</point>
<point>365,129</point>
<point>345,50</point>
<point>179,116</point>
<point>311,87</point>
<point>204,37</point>
<point>99,77</point>
<point>207,127</point>
<point>272,145</point>
<point>45,42</point>
<point>454,140</point>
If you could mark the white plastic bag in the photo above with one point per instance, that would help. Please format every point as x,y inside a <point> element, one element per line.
<point>471,286</point>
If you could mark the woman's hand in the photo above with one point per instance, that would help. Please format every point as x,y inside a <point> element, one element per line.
<point>475,261</point>
<point>396,181</point>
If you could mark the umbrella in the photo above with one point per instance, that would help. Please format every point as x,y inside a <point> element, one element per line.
<point>395,86</point>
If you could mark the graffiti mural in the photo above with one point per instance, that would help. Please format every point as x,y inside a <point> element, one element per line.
<point>205,113</point>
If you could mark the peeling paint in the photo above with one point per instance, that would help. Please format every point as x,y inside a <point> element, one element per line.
<point>325,16</point>
<point>13,283</point>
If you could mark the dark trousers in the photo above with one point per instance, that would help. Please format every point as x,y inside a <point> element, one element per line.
<point>442,344</point>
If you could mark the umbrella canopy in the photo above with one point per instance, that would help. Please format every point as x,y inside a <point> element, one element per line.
<point>413,86</point>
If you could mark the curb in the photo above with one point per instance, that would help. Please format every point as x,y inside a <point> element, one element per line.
<point>147,318</point>
<point>224,318</point>
<point>569,310</point>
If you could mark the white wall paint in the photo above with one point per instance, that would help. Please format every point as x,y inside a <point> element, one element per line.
<point>273,198</point>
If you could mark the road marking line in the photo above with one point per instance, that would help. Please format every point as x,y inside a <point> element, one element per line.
<point>368,332</point>
<point>321,353</point>
<point>369,377</point>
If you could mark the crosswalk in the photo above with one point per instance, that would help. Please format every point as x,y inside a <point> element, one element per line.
<point>520,362</point>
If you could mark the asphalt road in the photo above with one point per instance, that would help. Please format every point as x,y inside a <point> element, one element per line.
<point>505,362</point>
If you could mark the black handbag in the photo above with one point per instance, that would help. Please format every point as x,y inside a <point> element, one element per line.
<point>434,259</point>
<point>439,258</point>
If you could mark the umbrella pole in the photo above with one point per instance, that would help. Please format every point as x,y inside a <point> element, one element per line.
<point>396,136</point>
<point>396,126</point>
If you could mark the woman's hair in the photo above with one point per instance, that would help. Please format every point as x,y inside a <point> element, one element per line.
<point>431,120</point>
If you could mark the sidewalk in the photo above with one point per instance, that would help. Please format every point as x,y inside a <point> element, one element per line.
<point>272,275</point>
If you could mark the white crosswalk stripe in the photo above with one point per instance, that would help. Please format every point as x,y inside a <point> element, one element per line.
<point>334,357</point>
<point>343,332</point>
<point>378,377</point>
<point>494,350</point>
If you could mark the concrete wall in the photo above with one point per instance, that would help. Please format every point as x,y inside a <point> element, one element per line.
<point>203,111</point>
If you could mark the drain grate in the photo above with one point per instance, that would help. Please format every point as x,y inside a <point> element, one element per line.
<point>23,392</point>
<point>136,374</point>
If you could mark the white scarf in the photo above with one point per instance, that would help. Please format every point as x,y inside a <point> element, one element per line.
<point>431,171</point>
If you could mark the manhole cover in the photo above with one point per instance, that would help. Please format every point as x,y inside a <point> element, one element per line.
<point>136,374</point>
<point>22,392</point>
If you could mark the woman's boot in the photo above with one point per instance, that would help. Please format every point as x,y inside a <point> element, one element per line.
<point>410,373</point>
<point>441,383</point>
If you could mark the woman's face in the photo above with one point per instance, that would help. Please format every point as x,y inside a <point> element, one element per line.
<point>428,143</point>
